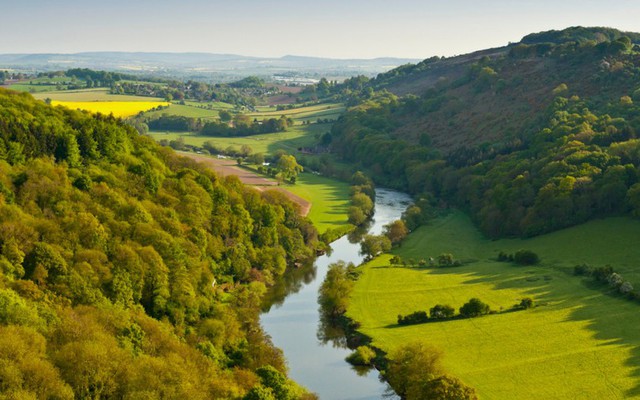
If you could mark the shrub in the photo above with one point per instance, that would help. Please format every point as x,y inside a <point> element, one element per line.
<point>503,257</point>
<point>363,355</point>
<point>626,288</point>
<point>583,269</point>
<point>417,317</point>
<point>526,303</point>
<point>526,257</point>
<point>474,308</point>
<point>615,280</point>
<point>445,260</point>
<point>440,311</point>
<point>601,274</point>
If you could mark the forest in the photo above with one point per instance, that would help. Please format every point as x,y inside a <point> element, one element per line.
<point>571,157</point>
<point>127,271</point>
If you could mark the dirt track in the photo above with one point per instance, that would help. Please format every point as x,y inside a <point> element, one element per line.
<point>227,167</point>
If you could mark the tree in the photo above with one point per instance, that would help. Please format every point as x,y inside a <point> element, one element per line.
<point>448,388</point>
<point>396,231</point>
<point>363,202</point>
<point>526,257</point>
<point>474,308</point>
<point>289,168</point>
<point>256,159</point>
<point>373,245</point>
<point>440,311</point>
<point>356,216</point>
<point>445,260</point>
<point>526,303</point>
<point>411,366</point>
<point>245,150</point>
<point>335,289</point>
<point>363,355</point>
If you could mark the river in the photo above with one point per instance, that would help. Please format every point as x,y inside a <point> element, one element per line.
<point>293,319</point>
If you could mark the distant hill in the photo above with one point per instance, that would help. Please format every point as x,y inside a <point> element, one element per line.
<point>220,67</point>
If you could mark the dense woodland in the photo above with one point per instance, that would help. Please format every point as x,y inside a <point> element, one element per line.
<point>570,155</point>
<point>127,271</point>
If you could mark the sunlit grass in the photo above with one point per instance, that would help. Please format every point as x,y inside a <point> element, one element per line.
<point>579,342</point>
<point>329,200</point>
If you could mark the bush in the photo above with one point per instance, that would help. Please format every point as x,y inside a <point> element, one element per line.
<point>474,308</point>
<point>440,311</point>
<point>445,260</point>
<point>626,288</point>
<point>601,274</point>
<point>363,355</point>
<point>526,257</point>
<point>583,269</point>
<point>526,303</point>
<point>418,317</point>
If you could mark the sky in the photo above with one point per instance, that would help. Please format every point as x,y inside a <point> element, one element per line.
<point>274,28</point>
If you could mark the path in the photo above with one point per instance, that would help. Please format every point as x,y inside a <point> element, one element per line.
<point>226,166</point>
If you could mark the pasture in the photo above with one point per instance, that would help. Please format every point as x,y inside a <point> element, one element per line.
<point>580,341</point>
<point>84,95</point>
<point>290,140</point>
<point>329,200</point>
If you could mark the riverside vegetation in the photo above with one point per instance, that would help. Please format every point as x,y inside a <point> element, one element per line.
<point>560,153</point>
<point>128,271</point>
<point>536,140</point>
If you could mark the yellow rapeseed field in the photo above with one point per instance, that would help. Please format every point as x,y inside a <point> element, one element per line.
<point>118,108</point>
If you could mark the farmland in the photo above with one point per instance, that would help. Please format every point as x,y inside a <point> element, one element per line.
<point>290,140</point>
<point>117,108</point>
<point>329,200</point>
<point>83,95</point>
<point>579,342</point>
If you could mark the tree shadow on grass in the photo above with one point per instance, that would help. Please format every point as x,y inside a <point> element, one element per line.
<point>609,316</point>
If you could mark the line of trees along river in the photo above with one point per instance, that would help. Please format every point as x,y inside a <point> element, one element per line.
<point>293,321</point>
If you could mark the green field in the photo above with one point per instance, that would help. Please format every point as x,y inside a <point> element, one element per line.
<point>290,140</point>
<point>190,111</point>
<point>99,94</point>
<point>330,111</point>
<point>579,342</point>
<point>329,199</point>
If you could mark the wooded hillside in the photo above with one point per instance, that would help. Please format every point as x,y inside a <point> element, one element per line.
<point>127,271</point>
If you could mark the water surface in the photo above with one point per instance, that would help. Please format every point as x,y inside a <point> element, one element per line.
<point>293,320</point>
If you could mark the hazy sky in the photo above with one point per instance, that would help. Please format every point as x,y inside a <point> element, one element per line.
<point>327,28</point>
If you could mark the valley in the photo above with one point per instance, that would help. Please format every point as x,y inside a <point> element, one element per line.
<point>189,230</point>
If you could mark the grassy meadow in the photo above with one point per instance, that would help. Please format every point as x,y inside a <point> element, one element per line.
<point>580,341</point>
<point>329,199</point>
<point>97,94</point>
<point>290,140</point>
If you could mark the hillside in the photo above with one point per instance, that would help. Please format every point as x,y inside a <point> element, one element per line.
<point>127,271</point>
<point>528,139</point>
<point>492,95</point>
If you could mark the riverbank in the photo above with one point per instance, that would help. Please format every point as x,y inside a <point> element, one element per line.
<point>293,323</point>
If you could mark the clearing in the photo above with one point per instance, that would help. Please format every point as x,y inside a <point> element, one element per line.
<point>580,341</point>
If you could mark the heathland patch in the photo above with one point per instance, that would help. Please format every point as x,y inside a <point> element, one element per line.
<point>580,340</point>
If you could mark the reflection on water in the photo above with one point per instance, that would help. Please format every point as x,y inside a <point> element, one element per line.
<point>315,351</point>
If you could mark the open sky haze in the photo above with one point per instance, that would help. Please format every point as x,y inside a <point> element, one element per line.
<point>324,28</point>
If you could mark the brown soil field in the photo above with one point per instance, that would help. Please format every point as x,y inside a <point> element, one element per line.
<point>225,167</point>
